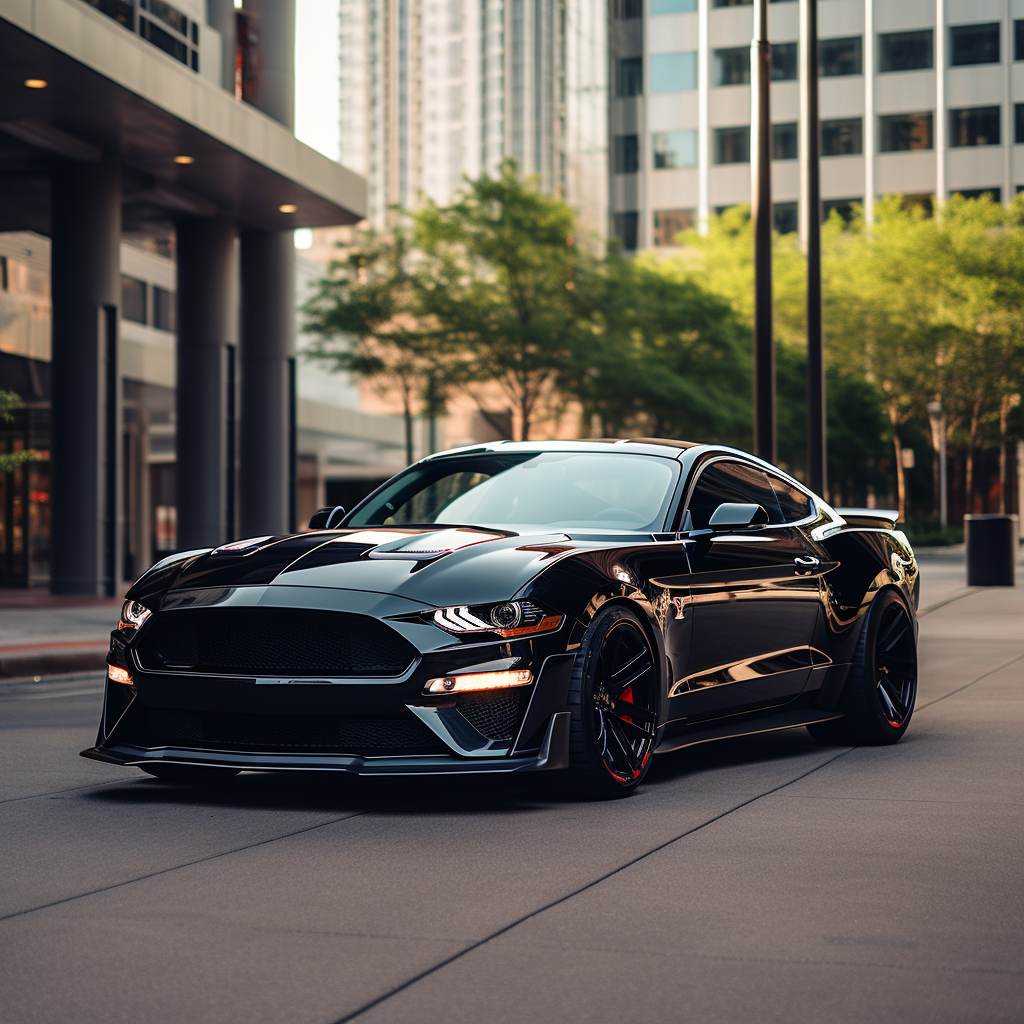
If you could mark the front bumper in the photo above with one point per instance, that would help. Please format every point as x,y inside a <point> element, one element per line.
<point>553,754</point>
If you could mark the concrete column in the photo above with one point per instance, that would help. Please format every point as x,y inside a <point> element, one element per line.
<point>206,267</point>
<point>276,25</point>
<point>220,14</point>
<point>86,410</point>
<point>267,343</point>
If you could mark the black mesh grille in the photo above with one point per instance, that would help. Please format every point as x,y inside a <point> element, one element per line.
<point>163,727</point>
<point>273,641</point>
<point>496,716</point>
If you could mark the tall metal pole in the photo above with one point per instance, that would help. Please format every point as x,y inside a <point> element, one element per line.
<point>761,215</point>
<point>810,168</point>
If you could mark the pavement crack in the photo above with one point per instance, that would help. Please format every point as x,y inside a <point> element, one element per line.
<point>59,792</point>
<point>179,867</point>
<point>497,933</point>
<point>921,612</point>
<point>960,689</point>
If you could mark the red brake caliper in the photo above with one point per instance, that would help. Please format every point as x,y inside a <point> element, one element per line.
<point>627,696</point>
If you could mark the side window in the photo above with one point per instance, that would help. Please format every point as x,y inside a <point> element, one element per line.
<point>732,482</point>
<point>794,503</point>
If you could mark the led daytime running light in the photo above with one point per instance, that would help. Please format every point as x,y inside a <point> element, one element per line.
<point>118,675</point>
<point>475,681</point>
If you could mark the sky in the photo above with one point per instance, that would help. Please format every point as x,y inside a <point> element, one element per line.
<point>316,75</point>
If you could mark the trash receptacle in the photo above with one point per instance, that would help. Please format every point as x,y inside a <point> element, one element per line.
<point>991,550</point>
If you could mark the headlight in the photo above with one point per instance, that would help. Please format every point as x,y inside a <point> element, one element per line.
<point>508,619</point>
<point>133,615</point>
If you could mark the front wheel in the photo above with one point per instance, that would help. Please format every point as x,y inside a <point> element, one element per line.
<point>880,692</point>
<point>190,775</point>
<point>614,699</point>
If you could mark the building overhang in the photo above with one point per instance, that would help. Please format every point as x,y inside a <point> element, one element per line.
<point>110,93</point>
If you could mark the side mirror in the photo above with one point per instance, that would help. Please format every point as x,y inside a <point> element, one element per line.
<point>732,515</point>
<point>327,518</point>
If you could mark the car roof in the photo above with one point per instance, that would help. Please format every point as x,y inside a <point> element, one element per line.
<point>665,447</point>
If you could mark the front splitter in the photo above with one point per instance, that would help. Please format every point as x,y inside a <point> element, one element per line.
<point>553,754</point>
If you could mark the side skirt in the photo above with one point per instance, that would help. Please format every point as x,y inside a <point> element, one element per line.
<point>751,727</point>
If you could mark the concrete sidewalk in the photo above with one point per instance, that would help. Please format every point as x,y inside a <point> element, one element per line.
<point>47,635</point>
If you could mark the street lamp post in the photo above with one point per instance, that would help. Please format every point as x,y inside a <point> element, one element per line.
<point>810,168</point>
<point>937,420</point>
<point>761,215</point>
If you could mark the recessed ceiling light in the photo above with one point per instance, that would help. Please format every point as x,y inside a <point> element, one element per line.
<point>287,208</point>
<point>184,159</point>
<point>36,83</point>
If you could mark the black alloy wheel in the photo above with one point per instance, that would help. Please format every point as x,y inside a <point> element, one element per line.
<point>190,775</point>
<point>878,700</point>
<point>614,696</point>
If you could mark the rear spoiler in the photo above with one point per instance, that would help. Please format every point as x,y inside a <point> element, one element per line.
<point>880,518</point>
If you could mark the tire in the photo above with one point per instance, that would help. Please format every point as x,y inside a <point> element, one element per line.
<point>878,699</point>
<point>190,775</point>
<point>614,697</point>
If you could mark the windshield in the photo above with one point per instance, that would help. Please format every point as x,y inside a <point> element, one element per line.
<point>606,491</point>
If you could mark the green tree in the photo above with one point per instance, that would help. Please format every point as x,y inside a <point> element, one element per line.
<point>499,272</point>
<point>366,319</point>
<point>662,356</point>
<point>10,403</point>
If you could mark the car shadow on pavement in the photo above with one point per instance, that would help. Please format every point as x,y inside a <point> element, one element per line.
<point>333,792</point>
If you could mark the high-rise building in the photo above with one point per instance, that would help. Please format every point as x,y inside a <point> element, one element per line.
<point>435,90</point>
<point>920,97</point>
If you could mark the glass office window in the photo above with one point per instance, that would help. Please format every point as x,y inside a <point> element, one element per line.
<point>624,226</point>
<point>785,218</point>
<point>133,300</point>
<point>731,66</point>
<point>623,10</point>
<point>784,62</point>
<point>674,149</point>
<point>784,141</point>
<point>163,308</point>
<point>995,193</point>
<point>974,126</point>
<point>672,6</point>
<point>842,137</point>
<point>674,72</point>
<point>974,44</point>
<point>844,207</point>
<point>629,77</point>
<point>905,51</point>
<point>626,154</point>
<point>1018,40</point>
<point>669,223</point>
<point>731,3</point>
<point>905,131</point>
<point>840,57</point>
<point>731,145</point>
<point>1018,123</point>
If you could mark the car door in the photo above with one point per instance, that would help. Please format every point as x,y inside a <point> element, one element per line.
<point>755,595</point>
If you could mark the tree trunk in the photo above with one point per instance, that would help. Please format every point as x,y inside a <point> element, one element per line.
<point>407,413</point>
<point>901,483</point>
<point>972,445</point>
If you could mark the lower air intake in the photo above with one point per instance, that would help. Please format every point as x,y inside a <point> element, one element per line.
<point>311,734</point>
<point>495,716</point>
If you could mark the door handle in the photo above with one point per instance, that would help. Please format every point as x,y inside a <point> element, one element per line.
<point>805,565</point>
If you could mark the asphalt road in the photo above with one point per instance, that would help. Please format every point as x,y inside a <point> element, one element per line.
<point>754,881</point>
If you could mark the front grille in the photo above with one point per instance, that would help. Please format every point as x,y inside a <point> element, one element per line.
<point>495,716</point>
<point>165,727</point>
<point>273,642</point>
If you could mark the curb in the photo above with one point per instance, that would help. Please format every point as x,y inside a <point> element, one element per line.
<point>30,664</point>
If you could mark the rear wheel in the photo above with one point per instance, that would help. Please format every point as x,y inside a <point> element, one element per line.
<point>614,699</point>
<point>190,775</point>
<point>878,700</point>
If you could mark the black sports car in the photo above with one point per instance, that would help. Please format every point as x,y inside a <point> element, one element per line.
<point>510,607</point>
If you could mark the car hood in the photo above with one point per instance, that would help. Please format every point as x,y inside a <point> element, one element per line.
<point>432,567</point>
